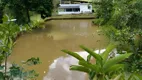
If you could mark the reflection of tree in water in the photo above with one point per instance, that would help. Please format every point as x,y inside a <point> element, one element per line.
<point>48,27</point>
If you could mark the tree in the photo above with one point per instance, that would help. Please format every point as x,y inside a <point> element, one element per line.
<point>120,13</point>
<point>121,20</point>
<point>20,9</point>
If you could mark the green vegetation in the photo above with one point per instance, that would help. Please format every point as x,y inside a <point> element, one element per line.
<point>9,31</point>
<point>21,9</point>
<point>17,17</point>
<point>120,20</point>
<point>104,67</point>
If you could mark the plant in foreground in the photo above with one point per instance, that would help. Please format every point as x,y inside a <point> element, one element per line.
<point>8,34</point>
<point>103,68</point>
<point>18,72</point>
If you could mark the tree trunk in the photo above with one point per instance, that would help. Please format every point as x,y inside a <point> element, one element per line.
<point>28,15</point>
<point>27,10</point>
<point>1,14</point>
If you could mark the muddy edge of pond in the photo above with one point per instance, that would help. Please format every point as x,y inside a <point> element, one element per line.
<point>75,17</point>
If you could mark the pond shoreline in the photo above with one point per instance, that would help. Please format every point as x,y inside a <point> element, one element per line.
<point>70,17</point>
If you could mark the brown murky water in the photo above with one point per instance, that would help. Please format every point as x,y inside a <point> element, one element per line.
<point>48,43</point>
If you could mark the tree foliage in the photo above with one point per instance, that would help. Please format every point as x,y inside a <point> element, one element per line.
<point>120,13</point>
<point>121,22</point>
<point>20,9</point>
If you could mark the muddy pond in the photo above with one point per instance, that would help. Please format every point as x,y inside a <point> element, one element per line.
<point>47,44</point>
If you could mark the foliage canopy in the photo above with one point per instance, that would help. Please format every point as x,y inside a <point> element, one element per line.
<point>21,9</point>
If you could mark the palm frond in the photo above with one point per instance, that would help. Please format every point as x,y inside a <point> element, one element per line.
<point>92,53</point>
<point>91,66</point>
<point>107,51</point>
<point>80,68</point>
<point>115,60</point>
<point>73,54</point>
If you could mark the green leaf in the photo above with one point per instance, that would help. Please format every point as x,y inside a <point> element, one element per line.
<point>15,70</point>
<point>114,68</point>
<point>73,54</point>
<point>90,66</point>
<point>107,51</point>
<point>80,68</point>
<point>115,60</point>
<point>95,55</point>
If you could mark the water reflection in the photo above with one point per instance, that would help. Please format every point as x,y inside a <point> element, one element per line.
<point>59,69</point>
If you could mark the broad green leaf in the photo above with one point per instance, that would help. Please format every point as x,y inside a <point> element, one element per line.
<point>80,68</point>
<point>115,60</point>
<point>107,52</point>
<point>95,55</point>
<point>73,54</point>
<point>114,68</point>
<point>90,66</point>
